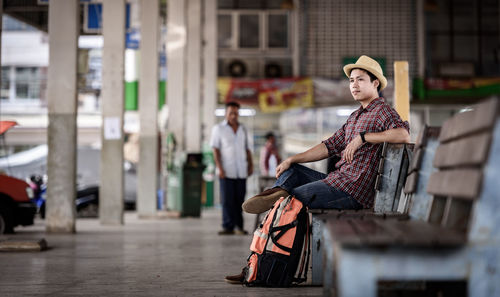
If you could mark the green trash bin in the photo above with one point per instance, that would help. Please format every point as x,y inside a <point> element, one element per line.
<point>185,185</point>
<point>208,177</point>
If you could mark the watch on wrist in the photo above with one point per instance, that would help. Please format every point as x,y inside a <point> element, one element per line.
<point>362,134</point>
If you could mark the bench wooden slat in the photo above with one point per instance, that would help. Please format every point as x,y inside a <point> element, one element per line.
<point>458,214</point>
<point>472,150</point>
<point>460,183</point>
<point>411,183</point>
<point>416,160</point>
<point>343,229</point>
<point>380,168</point>
<point>482,117</point>
<point>372,215</point>
<point>378,232</point>
<point>371,233</point>
<point>406,234</point>
<point>421,140</point>
<point>421,233</point>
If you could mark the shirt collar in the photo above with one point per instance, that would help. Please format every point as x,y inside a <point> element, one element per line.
<point>225,122</point>
<point>372,104</point>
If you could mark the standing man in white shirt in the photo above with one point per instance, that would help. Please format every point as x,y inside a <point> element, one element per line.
<point>233,160</point>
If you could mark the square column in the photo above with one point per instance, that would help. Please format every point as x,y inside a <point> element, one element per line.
<point>193,108</point>
<point>209,67</point>
<point>176,45</point>
<point>148,110</point>
<point>111,187</point>
<point>64,27</point>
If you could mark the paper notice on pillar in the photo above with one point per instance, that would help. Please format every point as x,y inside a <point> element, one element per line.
<point>112,129</point>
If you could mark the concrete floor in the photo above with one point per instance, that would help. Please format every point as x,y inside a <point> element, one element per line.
<point>163,257</point>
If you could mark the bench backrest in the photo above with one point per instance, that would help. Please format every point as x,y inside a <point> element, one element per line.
<point>391,175</point>
<point>460,159</point>
<point>416,200</point>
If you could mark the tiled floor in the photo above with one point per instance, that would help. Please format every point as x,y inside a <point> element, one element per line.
<point>163,257</point>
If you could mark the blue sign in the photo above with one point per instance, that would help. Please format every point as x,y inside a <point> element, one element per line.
<point>93,17</point>
<point>132,38</point>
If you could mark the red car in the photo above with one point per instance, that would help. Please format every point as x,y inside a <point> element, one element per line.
<point>16,206</point>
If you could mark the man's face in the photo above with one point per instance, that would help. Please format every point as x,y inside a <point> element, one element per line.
<point>361,87</point>
<point>232,115</point>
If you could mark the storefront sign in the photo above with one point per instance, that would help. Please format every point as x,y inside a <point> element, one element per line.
<point>272,95</point>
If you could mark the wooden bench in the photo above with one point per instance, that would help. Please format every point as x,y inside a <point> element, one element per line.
<point>391,174</point>
<point>452,233</point>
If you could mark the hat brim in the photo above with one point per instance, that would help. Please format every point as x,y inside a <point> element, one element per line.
<point>381,78</point>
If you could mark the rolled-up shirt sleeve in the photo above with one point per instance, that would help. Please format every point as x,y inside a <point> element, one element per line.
<point>215,138</point>
<point>336,143</point>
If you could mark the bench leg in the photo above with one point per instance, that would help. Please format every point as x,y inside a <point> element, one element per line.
<point>316,253</point>
<point>358,270</point>
<point>355,276</point>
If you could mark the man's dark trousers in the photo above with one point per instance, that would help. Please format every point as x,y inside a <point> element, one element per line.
<point>233,192</point>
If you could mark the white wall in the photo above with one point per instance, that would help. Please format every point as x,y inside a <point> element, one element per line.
<point>25,49</point>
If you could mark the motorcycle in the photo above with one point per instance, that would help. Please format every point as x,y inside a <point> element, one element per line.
<point>86,201</point>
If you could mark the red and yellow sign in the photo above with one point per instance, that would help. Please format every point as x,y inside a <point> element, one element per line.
<point>272,95</point>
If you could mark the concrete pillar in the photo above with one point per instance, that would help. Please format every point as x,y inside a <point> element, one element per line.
<point>176,44</point>
<point>209,67</point>
<point>1,24</point>
<point>193,102</point>
<point>295,37</point>
<point>111,187</point>
<point>148,110</point>
<point>420,38</point>
<point>64,22</point>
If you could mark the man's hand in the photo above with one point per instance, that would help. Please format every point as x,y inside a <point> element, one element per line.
<point>250,169</point>
<point>283,167</point>
<point>222,174</point>
<point>351,148</point>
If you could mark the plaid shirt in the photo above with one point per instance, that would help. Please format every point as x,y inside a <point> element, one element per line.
<point>358,178</point>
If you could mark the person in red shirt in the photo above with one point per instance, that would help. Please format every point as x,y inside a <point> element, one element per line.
<point>357,142</point>
<point>269,156</point>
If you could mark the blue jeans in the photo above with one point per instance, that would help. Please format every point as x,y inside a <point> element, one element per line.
<point>232,192</point>
<point>306,185</point>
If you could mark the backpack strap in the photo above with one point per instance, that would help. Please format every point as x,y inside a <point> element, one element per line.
<point>283,230</point>
<point>305,255</point>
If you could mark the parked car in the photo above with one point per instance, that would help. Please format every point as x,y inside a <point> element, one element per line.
<point>34,162</point>
<point>16,206</point>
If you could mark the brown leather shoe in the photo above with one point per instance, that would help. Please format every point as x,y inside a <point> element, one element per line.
<point>264,201</point>
<point>226,232</point>
<point>240,232</point>
<point>236,279</point>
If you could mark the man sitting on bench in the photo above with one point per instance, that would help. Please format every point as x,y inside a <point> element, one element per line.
<point>351,185</point>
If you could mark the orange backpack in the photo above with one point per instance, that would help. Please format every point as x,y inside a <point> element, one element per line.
<point>279,244</point>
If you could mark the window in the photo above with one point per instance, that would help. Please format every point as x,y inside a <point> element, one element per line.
<point>463,34</point>
<point>249,31</point>
<point>259,30</point>
<point>224,29</point>
<point>27,83</point>
<point>255,37</point>
<point>5,93</point>
<point>277,31</point>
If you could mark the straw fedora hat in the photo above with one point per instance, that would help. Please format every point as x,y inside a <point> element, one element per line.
<point>368,64</point>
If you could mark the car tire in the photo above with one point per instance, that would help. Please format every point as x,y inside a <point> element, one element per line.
<point>6,219</point>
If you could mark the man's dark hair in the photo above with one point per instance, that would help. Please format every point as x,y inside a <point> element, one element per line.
<point>372,77</point>
<point>269,135</point>
<point>232,103</point>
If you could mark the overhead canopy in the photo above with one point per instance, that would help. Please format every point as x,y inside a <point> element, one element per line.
<point>6,125</point>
